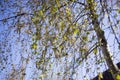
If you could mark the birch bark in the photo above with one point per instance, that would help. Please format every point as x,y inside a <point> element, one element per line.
<point>101,38</point>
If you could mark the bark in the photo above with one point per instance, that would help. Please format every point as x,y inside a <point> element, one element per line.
<point>105,48</point>
<point>101,38</point>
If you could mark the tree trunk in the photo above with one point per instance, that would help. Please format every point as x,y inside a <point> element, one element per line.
<point>101,38</point>
<point>105,48</point>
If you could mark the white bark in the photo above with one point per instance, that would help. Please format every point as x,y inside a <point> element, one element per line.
<point>101,38</point>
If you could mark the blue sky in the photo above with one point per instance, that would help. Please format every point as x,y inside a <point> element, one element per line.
<point>17,49</point>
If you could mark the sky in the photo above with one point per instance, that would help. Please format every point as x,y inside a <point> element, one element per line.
<point>17,50</point>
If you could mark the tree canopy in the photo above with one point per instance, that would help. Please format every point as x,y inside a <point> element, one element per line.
<point>63,34</point>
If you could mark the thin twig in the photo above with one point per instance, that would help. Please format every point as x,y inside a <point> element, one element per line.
<point>15,16</point>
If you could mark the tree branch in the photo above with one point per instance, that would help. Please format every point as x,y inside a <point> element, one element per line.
<point>83,4</point>
<point>5,19</point>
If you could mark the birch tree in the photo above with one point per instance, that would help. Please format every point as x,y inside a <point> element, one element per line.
<point>68,30</point>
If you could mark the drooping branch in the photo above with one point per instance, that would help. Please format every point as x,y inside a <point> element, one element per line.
<point>113,30</point>
<point>83,4</point>
<point>15,16</point>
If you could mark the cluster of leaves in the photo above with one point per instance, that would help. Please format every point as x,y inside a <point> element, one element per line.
<point>62,26</point>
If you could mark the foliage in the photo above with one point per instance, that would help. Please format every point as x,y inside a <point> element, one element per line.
<point>118,77</point>
<point>61,30</point>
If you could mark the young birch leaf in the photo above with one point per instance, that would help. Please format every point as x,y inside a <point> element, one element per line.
<point>76,31</point>
<point>58,3</point>
<point>54,9</point>
<point>40,12</point>
<point>42,76</point>
<point>100,76</point>
<point>65,37</point>
<point>34,46</point>
<point>68,11</point>
<point>118,77</point>
<point>95,51</point>
<point>118,11</point>
<point>62,26</point>
<point>85,38</point>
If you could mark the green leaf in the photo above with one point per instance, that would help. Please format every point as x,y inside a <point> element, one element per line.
<point>62,25</point>
<point>34,46</point>
<point>68,11</point>
<point>60,46</point>
<point>42,76</point>
<point>38,63</point>
<point>35,20</point>
<point>118,11</point>
<point>58,3</point>
<point>38,36</point>
<point>100,76</point>
<point>76,31</point>
<point>54,9</point>
<point>58,73</point>
<point>88,33</point>
<point>35,52</point>
<point>85,38</point>
<point>65,37</point>
<point>95,51</point>
<point>118,77</point>
<point>40,12</point>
